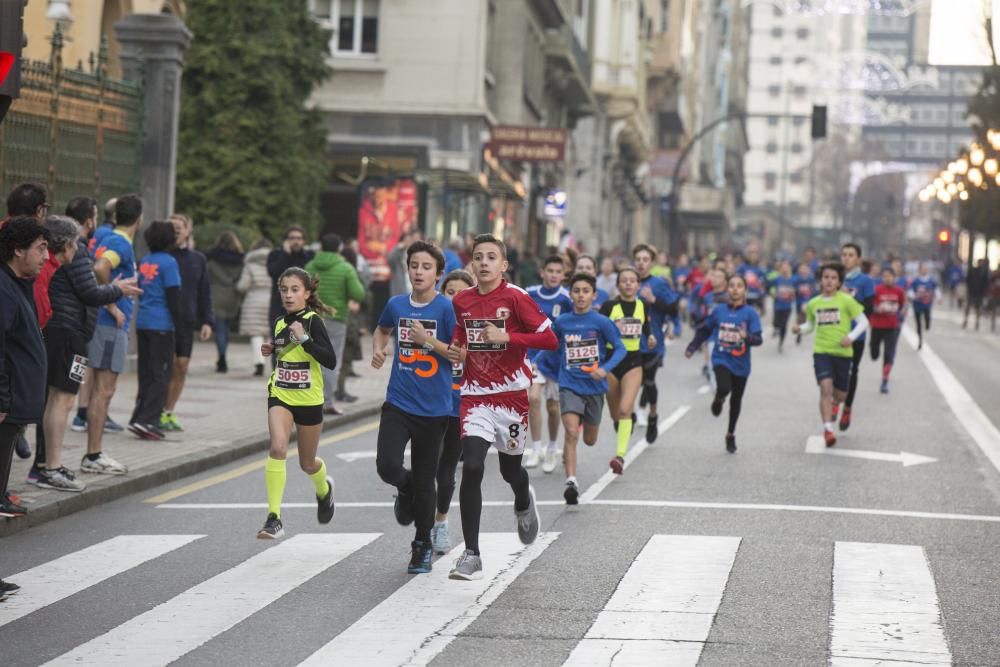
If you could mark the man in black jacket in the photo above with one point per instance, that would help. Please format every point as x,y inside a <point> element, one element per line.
<point>291,253</point>
<point>977,283</point>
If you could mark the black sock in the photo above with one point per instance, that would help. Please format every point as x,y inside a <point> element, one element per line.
<point>93,457</point>
<point>81,413</point>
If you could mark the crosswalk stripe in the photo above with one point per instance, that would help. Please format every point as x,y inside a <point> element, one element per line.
<point>187,621</point>
<point>60,578</point>
<point>392,634</point>
<point>663,609</point>
<point>885,607</point>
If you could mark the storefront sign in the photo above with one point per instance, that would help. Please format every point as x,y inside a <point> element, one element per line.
<point>528,144</point>
<point>388,211</point>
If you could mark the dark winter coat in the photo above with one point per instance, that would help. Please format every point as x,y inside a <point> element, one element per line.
<point>277,262</point>
<point>76,296</point>
<point>196,292</point>
<point>22,351</point>
<point>224,268</point>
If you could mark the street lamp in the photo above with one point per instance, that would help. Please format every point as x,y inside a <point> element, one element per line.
<point>944,197</point>
<point>993,137</point>
<point>924,196</point>
<point>947,176</point>
<point>961,166</point>
<point>963,195</point>
<point>975,176</point>
<point>938,184</point>
<point>991,166</point>
<point>976,155</point>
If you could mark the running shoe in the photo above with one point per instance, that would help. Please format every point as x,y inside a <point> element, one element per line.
<point>146,431</point>
<point>22,448</point>
<point>59,480</point>
<point>652,430</point>
<point>111,426</point>
<point>845,419</point>
<point>273,528</point>
<point>830,438</point>
<point>571,493</point>
<point>403,508</point>
<point>836,411</point>
<point>169,422</point>
<point>8,587</point>
<point>549,462</point>
<point>33,474</point>
<point>78,425</point>
<point>884,387</point>
<point>10,507</point>
<point>531,458</point>
<point>716,407</point>
<point>103,465</point>
<point>324,509</point>
<point>468,567</point>
<point>705,371</point>
<point>420,557</point>
<point>440,539</point>
<point>617,465</point>
<point>528,520</point>
<point>730,443</point>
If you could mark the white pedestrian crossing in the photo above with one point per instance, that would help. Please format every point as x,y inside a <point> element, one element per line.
<point>445,607</point>
<point>885,607</point>
<point>663,609</point>
<point>182,624</point>
<point>58,579</point>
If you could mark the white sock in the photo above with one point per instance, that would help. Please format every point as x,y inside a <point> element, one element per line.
<point>537,445</point>
<point>827,426</point>
<point>552,446</point>
<point>571,478</point>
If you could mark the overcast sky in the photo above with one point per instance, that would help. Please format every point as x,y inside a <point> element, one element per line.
<point>957,33</point>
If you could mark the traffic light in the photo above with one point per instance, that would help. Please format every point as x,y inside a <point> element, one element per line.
<point>819,122</point>
<point>11,43</point>
<point>944,237</point>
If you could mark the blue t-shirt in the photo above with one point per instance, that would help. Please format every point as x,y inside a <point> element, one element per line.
<point>756,280</point>
<point>923,292</point>
<point>117,248</point>
<point>98,237</point>
<point>681,274</point>
<point>553,301</point>
<point>547,362</point>
<point>158,272</point>
<point>599,299</point>
<point>955,275</point>
<point>861,286</point>
<point>785,290</point>
<point>664,295</point>
<point>805,289</point>
<point>421,381</point>
<point>583,343</point>
<point>730,327</point>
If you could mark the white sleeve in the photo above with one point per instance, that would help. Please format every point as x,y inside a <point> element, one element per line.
<point>860,326</point>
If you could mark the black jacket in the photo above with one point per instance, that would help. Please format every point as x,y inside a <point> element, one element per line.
<point>76,296</point>
<point>22,352</point>
<point>196,291</point>
<point>277,262</point>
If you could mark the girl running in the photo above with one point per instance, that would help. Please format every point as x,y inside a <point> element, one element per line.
<point>784,301</point>
<point>923,290</point>
<point>736,328</point>
<point>629,314</point>
<point>295,395</point>
<point>805,289</point>
<point>888,309</point>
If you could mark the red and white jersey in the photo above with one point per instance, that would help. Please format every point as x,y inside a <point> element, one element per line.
<point>492,368</point>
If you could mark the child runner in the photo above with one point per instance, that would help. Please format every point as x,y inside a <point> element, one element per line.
<point>704,302</point>
<point>496,324</point>
<point>784,300</point>
<point>553,299</point>
<point>923,289</point>
<point>584,338</point>
<point>451,451</point>
<point>805,289</point>
<point>831,314</point>
<point>736,328</point>
<point>629,314</point>
<point>295,395</point>
<point>418,399</point>
<point>588,265</point>
<point>859,285</point>
<point>888,308</point>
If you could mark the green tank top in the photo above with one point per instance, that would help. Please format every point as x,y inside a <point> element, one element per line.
<point>630,327</point>
<point>297,378</point>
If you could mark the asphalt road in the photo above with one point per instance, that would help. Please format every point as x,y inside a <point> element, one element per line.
<point>829,559</point>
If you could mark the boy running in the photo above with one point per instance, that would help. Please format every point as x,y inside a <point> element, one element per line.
<point>784,300</point>
<point>923,289</point>
<point>887,311</point>
<point>496,324</point>
<point>859,285</point>
<point>805,289</point>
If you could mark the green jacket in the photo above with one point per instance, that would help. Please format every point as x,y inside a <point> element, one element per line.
<point>338,282</point>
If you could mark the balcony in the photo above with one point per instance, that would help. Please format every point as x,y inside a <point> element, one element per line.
<point>568,71</point>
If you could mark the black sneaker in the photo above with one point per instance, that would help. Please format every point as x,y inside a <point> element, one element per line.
<point>730,443</point>
<point>22,448</point>
<point>145,431</point>
<point>716,407</point>
<point>572,493</point>
<point>420,558</point>
<point>324,509</point>
<point>8,587</point>
<point>11,509</point>
<point>652,430</point>
<point>273,528</point>
<point>403,508</point>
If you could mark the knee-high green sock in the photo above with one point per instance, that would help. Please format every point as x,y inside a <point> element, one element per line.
<point>274,479</point>
<point>318,479</point>
<point>624,435</point>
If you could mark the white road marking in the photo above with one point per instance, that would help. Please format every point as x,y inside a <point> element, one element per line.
<point>704,389</point>
<point>60,578</point>
<point>446,608</point>
<point>663,609</point>
<point>885,607</point>
<point>356,505</point>
<point>634,452</point>
<point>351,457</point>
<point>815,445</point>
<point>182,624</point>
<point>969,414</point>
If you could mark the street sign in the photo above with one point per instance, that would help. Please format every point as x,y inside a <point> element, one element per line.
<point>528,144</point>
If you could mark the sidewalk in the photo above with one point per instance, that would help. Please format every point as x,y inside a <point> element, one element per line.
<point>224,418</point>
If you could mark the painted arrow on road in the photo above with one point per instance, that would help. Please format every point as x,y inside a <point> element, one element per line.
<point>815,445</point>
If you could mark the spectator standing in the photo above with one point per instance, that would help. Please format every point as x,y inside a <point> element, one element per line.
<point>196,314</point>
<point>355,329</point>
<point>255,285</point>
<point>399,281</point>
<point>977,282</point>
<point>364,269</point>
<point>293,252</point>
<point>106,227</point>
<point>338,284</point>
<point>225,264</point>
<point>607,280</point>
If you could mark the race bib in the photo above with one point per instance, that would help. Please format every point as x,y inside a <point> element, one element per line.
<point>474,335</point>
<point>293,375</point>
<point>457,369</point>
<point>77,368</point>
<point>888,307</point>
<point>404,334</point>
<point>786,293</point>
<point>630,327</point>
<point>581,353</point>
<point>827,316</point>
<point>730,335</point>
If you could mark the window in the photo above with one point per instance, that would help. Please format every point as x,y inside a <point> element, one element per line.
<point>777,32</point>
<point>796,147</point>
<point>795,178</point>
<point>799,91</point>
<point>774,60</point>
<point>771,147</point>
<point>802,33</point>
<point>770,180</point>
<point>664,14</point>
<point>354,22</point>
<point>774,91</point>
<point>798,121</point>
<point>772,121</point>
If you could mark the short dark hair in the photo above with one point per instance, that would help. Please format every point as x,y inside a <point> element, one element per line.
<point>489,238</point>
<point>833,266</point>
<point>553,259</point>
<point>586,256</point>
<point>330,242</point>
<point>853,245</point>
<point>737,275</point>
<point>430,249</point>
<point>888,267</point>
<point>461,275</point>
<point>644,247</point>
<point>18,234</point>
<point>585,277</point>
<point>160,236</point>
<point>81,209</point>
<point>626,269</point>
<point>294,228</point>
<point>128,209</point>
<point>26,198</point>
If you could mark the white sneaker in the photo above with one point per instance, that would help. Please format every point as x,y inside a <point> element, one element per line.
<point>531,459</point>
<point>549,463</point>
<point>104,465</point>
<point>641,416</point>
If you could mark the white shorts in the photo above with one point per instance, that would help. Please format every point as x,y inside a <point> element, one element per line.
<point>550,388</point>
<point>500,419</point>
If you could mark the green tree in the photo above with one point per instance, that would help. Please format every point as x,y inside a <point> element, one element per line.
<point>250,153</point>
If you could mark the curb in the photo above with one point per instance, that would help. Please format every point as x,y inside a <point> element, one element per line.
<point>106,489</point>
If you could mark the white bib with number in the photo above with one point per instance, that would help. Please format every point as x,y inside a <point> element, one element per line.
<point>293,375</point>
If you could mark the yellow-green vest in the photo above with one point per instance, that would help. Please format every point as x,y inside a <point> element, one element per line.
<point>631,342</point>
<point>298,378</point>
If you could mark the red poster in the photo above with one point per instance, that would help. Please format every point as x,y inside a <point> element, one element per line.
<point>387,211</point>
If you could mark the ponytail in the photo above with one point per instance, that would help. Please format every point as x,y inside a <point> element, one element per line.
<point>311,285</point>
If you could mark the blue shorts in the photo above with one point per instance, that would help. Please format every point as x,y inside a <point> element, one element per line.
<point>838,369</point>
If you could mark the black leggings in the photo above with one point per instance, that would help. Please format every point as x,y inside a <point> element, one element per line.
<point>781,323</point>
<point>9,433</point>
<point>474,450</point>
<point>726,383</point>
<point>888,337</point>
<point>852,386</point>
<point>925,315</point>
<point>424,435</point>
<point>450,454</point>
<point>650,364</point>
